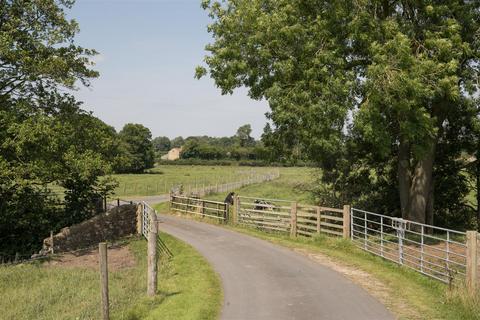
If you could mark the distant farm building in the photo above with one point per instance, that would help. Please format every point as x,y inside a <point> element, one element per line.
<point>173,154</point>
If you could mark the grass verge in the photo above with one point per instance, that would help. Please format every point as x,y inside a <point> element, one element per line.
<point>408,294</point>
<point>188,288</point>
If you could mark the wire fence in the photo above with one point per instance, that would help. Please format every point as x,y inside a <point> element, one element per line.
<point>148,217</point>
<point>192,184</point>
<point>443,254</point>
<point>437,252</point>
<point>204,190</point>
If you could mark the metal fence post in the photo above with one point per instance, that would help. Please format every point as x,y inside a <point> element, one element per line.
<point>401,235</point>
<point>346,221</point>
<point>472,261</point>
<point>102,250</point>
<point>152,257</point>
<point>293,220</point>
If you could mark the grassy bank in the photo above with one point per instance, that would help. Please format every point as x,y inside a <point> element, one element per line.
<point>408,294</point>
<point>42,291</point>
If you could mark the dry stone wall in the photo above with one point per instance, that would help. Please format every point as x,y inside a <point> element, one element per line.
<point>116,223</point>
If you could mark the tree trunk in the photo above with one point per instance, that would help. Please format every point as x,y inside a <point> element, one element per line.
<point>478,189</point>
<point>420,190</point>
<point>430,207</point>
<point>404,176</point>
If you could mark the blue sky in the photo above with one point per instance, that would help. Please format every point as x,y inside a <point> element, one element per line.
<point>148,53</point>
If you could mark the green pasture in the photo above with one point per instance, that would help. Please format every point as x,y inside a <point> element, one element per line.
<point>162,178</point>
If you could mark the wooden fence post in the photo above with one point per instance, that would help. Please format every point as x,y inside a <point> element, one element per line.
<point>225,213</point>
<point>293,220</point>
<point>139,218</point>
<point>346,221</point>
<point>152,257</point>
<point>102,250</point>
<point>319,219</point>
<point>236,208</point>
<point>472,261</point>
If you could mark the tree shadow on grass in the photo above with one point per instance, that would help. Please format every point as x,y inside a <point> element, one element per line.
<point>147,304</point>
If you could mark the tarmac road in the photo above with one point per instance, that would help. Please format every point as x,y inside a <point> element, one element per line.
<point>262,280</point>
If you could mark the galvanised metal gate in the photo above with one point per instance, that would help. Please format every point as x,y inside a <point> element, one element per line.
<point>436,252</point>
<point>149,215</point>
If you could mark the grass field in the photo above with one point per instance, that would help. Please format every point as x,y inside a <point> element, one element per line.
<point>161,179</point>
<point>188,289</point>
<point>408,294</point>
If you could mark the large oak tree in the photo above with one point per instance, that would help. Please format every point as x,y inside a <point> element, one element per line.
<point>393,74</point>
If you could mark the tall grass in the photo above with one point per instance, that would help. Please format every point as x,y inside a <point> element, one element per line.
<point>36,291</point>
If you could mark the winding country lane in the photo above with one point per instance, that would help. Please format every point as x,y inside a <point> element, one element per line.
<point>263,281</point>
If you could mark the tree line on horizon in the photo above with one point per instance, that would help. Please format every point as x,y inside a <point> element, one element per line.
<point>241,146</point>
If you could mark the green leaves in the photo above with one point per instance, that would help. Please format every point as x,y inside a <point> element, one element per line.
<point>138,148</point>
<point>350,79</point>
<point>37,50</point>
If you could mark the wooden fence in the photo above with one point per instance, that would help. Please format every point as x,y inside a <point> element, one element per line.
<point>201,207</point>
<point>391,235</point>
<point>291,217</point>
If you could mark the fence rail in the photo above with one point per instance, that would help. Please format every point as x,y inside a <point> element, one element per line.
<point>204,190</point>
<point>436,252</point>
<point>289,216</point>
<point>204,208</point>
<point>197,186</point>
<point>267,215</point>
<point>443,254</point>
<point>147,218</point>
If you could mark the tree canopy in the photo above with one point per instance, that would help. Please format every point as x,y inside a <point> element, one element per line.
<point>137,140</point>
<point>373,91</point>
<point>46,139</point>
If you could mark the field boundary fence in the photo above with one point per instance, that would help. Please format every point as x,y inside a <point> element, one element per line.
<point>229,186</point>
<point>447,255</point>
<point>197,187</point>
<point>436,252</point>
<point>146,223</point>
<point>203,208</point>
<point>289,217</point>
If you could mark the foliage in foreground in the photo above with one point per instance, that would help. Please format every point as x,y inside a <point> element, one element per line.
<point>381,94</point>
<point>410,295</point>
<point>45,137</point>
<point>188,289</point>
